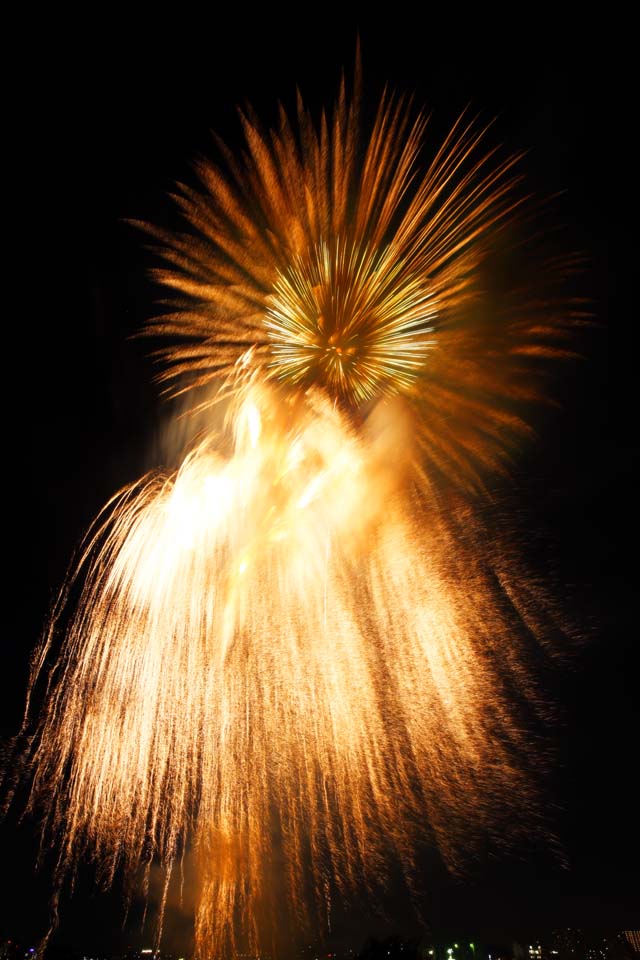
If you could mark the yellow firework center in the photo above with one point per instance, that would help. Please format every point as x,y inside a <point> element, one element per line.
<point>353,322</point>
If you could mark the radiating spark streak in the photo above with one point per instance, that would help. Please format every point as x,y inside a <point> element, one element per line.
<point>288,660</point>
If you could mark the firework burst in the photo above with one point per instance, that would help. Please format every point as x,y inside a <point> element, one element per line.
<point>287,659</point>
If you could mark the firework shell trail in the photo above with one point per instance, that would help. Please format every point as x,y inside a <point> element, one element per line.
<point>295,657</point>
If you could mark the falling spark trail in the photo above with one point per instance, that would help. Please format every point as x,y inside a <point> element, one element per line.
<point>290,658</point>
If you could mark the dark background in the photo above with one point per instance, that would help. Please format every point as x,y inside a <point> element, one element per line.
<point>103,118</point>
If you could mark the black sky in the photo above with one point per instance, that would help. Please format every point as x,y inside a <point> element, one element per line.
<point>101,126</point>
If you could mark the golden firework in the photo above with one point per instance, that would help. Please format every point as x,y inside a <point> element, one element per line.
<point>287,663</point>
<point>354,267</point>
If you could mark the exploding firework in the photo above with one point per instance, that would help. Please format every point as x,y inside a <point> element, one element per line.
<point>294,656</point>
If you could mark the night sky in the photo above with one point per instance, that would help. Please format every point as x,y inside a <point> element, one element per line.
<point>102,128</point>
